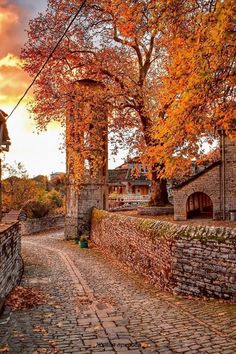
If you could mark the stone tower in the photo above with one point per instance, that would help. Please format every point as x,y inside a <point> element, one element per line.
<point>228,174</point>
<point>88,143</point>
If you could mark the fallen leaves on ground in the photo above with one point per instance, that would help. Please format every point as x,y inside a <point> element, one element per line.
<point>59,324</point>
<point>5,349</point>
<point>40,329</point>
<point>17,334</point>
<point>57,306</point>
<point>24,298</point>
<point>53,350</point>
<point>109,300</point>
<point>144,345</point>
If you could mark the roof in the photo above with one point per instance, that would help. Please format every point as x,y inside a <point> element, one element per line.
<point>189,179</point>
<point>128,163</point>
<point>117,176</point>
<point>138,182</point>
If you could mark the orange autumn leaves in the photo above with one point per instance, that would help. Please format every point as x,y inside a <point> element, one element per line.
<point>198,88</point>
<point>25,298</point>
<point>168,68</point>
<point>86,133</point>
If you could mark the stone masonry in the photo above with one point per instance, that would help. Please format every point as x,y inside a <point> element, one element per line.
<point>207,183</point>
<point>218,181</point>
<point>95,305</point>
<point>229,169</point>
<point>93,191</point>
<point>31,226</point>
<point>190,260</point>
<point>10,248</point>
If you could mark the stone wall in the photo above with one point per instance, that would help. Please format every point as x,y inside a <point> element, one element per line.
<point>218,182</point>
<point>31,226</point>
<point>93,191</point>
<point>169,210</point>
<point>190,260</point>
<point>79,207</point>
<point>208,183</point>
<point>10,248</point>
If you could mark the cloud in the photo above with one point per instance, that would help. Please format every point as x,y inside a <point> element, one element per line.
<point>14,18</point>
<point>13,80</point>
<point>11,32</point>
<point>10,60</point>
<point>26,147</point>
<point>8,18</point>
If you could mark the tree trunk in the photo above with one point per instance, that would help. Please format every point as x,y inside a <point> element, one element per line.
<point>159,194</point>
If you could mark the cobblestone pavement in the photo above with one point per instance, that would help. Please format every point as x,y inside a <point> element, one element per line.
<point>95,305</point>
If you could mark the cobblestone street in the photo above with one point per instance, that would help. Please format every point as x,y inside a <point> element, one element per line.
<point>95,305</point>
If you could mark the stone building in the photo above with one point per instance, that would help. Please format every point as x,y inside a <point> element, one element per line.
<point>92,191</point>
<point>126,188</point>
<point>212,192</point>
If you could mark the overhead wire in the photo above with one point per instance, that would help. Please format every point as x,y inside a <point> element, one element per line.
<point>48,58</point>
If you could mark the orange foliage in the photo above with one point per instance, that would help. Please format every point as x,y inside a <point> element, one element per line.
<point>168,70</point>
<point>25,298</point>
<point>197,96</point>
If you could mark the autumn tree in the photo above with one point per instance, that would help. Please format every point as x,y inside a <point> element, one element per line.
<point>198,90</point>
<point>17,188</point>
<point>168,68</point>
<point>117,43</point>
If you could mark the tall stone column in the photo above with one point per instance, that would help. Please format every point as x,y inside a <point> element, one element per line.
<point>228,173</point>
<point>93,190</point>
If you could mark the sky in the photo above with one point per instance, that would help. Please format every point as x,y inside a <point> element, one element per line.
<point>39,153</point>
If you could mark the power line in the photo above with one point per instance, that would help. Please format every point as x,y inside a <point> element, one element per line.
<point>48,58</point>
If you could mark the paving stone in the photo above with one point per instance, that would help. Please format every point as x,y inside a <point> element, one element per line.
<point>107,324</point>
<point>97,307</point>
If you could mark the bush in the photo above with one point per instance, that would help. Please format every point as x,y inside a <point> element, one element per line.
<point>55,199</point>
<point>35,209</point>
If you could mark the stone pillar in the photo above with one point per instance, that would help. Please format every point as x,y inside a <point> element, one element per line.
<point>228,175</point>
<point>93,189</point>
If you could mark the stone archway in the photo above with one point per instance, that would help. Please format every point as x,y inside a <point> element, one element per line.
<point>199,205</point>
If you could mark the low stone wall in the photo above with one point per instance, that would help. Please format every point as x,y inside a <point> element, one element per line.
<point>10,248</point>
<point>169,210</point>
<point>31,226</point>
<point>189,260</point>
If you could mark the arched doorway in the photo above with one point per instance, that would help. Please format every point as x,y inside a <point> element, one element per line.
<point>199,205</point>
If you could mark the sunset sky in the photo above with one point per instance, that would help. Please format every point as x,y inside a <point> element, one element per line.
<point>38,152</point>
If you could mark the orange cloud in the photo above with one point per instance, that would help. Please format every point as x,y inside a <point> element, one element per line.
<point>11,33</point>
<point>26,147</point>
<point>10,60</point>
<point>8,17</point>
<point>13,80</point>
